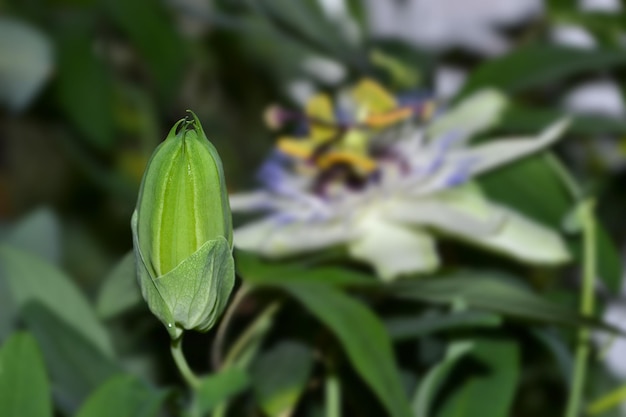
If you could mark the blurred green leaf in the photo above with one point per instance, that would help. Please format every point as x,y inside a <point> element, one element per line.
<point>434,379</point>
<point>152,31</point>
<point>31,279</point>
<point>8,309</point>
<point>358,11</point>
<point>123,396</point>
<point>490,389</point>
<point>540,64</point>
<point>410,327</point>
<point>38,233</point>
<point>76,365</point>
<point>280,375</point>
<point>262,272</point>
<point>491,292</point>
<point>304,21</point>
<point>120,291</point>
<point>608,401</point>
<point>558,349</point>
<point>515,185</point>
<point>24,386</point>
<point>602,392</point>
<point>363,337</point>
<point>216,388</point>
<point>523,119</point>
<point>605,28</point>
<point>83,87</point>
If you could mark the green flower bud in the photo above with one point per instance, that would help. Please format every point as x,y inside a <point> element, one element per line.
<point>182,232</point>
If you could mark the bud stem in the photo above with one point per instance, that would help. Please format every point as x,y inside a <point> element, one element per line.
<point>218,344</point>
<point>179,358</point>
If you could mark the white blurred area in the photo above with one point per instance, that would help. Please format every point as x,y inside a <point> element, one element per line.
<point>476,26</point>
<point>26,63</point>
<point>439,24</point>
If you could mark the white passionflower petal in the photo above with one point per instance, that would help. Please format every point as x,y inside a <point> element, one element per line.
<point>474,114</point>
<point>523,239</point>
<point>248,202</point>
<point>502,151</point>
<point>393,249</point>
<point>461,210</point>
<point>274,237</point>
<point>421,184</point>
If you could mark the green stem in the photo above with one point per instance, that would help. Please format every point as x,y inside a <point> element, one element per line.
<point>179,358</point>
<point>261,322</point>
<point>566,177</point>
<point>586,308</point>
<point>257,327</point>
<point>332,391</point>
<point>222,330</point>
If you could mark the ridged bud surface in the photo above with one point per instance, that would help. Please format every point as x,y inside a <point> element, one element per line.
<point>183,232</point>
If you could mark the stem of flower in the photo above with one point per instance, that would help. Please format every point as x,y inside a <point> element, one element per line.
<point>176,348</point>
<point>566,177</point>
<point>222,331</point>
<point>586,308</point>
<point>257,328</point>
<point>332,391</point>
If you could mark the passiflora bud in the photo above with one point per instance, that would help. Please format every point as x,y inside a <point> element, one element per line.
<point>182,232</point>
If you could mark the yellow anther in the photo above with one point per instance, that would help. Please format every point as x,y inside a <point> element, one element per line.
<point>320,110</point>
<point>301,149</point>
<point>362,164</point>
<point>371,95</point>
<point>382,120</point>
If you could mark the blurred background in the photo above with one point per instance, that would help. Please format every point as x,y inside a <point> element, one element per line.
<point>88,89</point>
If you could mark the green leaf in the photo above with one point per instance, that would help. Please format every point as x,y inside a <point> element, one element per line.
<point>410,327</point>
<point>490,389</point>
<point>609,260</point>
<point>262,272</point>
<point>120,291</point>
<point>38,233</point>
<point>123,396</point>
<point>8,309</point>
<point>150,28</point>
<point>540,64</point>
<point>76,366</point>
<point>362,336</point>
<point>83,87</point>
<point>280,375</point>
<point>432,382</point>
<point>491,292</point>
<point>515,185</point>
<point>609,401</point>
<point>31,279</point>
<point>557,347</point>
<point>304,21</point>
<point>217,388</point>
<point>522,119</point>
<point>24,386</point>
